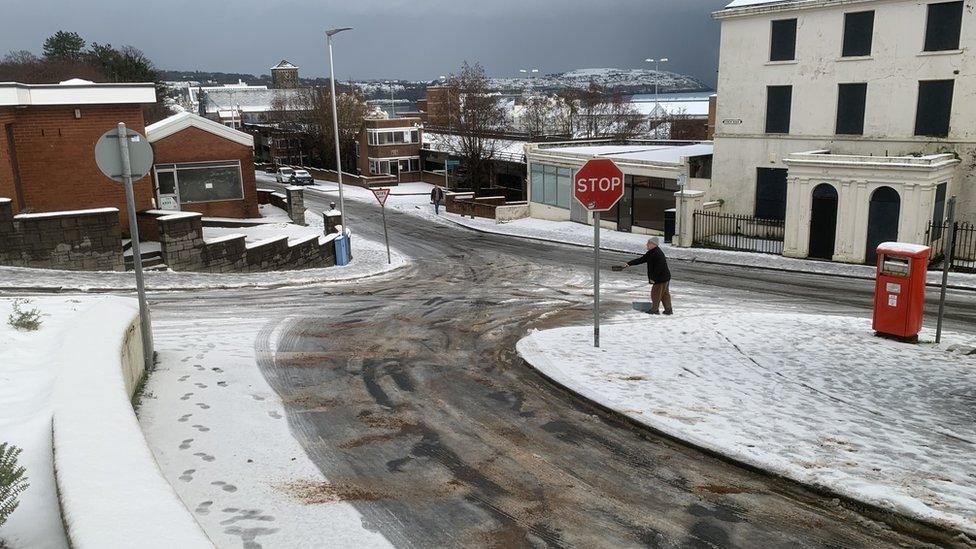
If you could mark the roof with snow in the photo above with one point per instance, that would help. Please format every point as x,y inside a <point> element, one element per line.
<point>661,154</point>
<point>747,7</point>
<point>179,122</point>
<point>75,92</point>
<point>284,65</point>
<point>248,98</point>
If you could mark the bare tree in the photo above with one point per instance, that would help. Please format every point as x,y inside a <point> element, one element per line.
<point>477,117</point>
<point>308,112</point>
<point>597,113</point>
<point>545,115</point>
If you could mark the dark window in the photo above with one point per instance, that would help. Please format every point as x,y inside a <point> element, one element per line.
<point>938,215</point>
<point>771,193</point>
<point>858,32</point>
<point>934,108</point>
<point>782,46</point>
<point>850,108</point>
<point>943,26</point>
<point>778,104</point>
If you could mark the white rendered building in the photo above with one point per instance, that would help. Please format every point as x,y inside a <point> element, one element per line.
<point>849,119</point>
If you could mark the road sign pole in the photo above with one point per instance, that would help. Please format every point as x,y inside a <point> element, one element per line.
<point>946,261</point>
<point>596,279</point>
<point>386,236</point>
<point>130,203</point>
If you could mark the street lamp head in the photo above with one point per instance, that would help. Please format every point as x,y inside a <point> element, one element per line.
<point>648,60</point>
<point>664,59</point>
<point>332,32</point>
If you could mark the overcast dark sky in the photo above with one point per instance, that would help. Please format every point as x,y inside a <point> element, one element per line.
<point>409,39</point>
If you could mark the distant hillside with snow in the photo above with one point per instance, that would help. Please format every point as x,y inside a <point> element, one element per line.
<point>631,81</point>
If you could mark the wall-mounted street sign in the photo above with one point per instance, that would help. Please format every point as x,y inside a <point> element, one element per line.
<point>732,121</point>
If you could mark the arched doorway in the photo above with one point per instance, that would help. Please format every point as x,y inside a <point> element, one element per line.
<point>823,222</point>
<point>882,221</point>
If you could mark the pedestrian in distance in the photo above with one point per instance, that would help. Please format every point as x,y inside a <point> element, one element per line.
<point>436,197</point>
<point>658,275</point>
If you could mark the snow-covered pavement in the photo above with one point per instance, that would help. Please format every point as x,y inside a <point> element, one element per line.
<point>29,367</point>
<point>818,399</point>
<point>220,436</point>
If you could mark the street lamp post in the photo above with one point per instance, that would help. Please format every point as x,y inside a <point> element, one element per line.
<point>657,79</point>
<point>335,121</point>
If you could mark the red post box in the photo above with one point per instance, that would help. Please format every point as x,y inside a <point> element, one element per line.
<point>899,292</point>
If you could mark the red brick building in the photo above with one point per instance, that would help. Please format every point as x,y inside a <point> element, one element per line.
<point>391,147</point>
<point>203,166</point>
<point>47,143</point>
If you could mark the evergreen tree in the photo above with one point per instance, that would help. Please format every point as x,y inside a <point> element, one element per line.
<point>12,480</point>
<point>64,46</point>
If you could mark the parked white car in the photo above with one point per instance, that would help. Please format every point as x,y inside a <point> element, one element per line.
<point>283,175</point>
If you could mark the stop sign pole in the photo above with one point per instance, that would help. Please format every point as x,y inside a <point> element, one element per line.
<point>598,186</point>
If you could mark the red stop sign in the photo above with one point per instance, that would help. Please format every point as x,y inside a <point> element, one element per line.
<point>599,185</point>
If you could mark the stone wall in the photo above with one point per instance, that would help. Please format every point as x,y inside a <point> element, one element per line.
<point>83,240</point>
<point>292,201</point>
<point>184,249</point>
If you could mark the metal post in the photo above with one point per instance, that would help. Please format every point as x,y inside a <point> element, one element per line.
<point>946,263</point>
<point>145,323</point>
<point>596,279</point>
<point>335,127</point>
<point>386,236</point>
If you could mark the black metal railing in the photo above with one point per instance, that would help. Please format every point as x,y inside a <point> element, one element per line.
<point>962,257</point>
<point>738,232</point>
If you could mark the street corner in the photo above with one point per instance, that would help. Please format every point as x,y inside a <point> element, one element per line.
<point>819,399</point>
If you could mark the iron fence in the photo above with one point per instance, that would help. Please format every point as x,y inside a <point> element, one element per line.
<point>738,232</point>
<point>962,257</point>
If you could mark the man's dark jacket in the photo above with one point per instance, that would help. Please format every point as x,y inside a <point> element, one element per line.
<point>657,265</point>
<point>436,195</point>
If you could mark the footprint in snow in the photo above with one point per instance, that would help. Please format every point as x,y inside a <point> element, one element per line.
<point>274,414</point>
<point>203,406</point>
<point>204,508</point>
<point>221,384</point>
<point>184,417</point>
<point>186,396</point>
<point>205,457</point>
<point>184,378</point>
<point>200,385</point>
<point>224,486</point>
<point>201,428</point>
<point>185,445</point>
<point>187,475</point>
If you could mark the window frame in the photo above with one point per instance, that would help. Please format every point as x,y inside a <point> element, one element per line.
<point>789,114</point>
<point>175,167</point>
<point>864,105</point>
<point>844,42</point>
<point>948,121</point>
<point>934,34</point>
<point>778,24</point>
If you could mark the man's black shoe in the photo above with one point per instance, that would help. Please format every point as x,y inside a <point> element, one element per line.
<point>668,312</point>
<point>653,312</point>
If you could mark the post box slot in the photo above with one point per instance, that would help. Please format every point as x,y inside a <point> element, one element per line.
<point>895,266</point>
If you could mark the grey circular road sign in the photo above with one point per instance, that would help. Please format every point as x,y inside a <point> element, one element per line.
<point>109,157</point>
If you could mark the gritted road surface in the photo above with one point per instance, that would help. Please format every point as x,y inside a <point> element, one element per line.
<point>406,392</point>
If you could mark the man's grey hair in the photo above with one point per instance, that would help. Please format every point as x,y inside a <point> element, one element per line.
<point>654,240</point>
